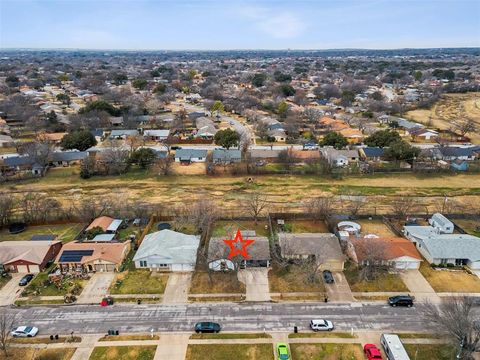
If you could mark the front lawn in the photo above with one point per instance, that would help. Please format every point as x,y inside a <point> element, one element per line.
<point>327,351</point>
<point>123,353</point>
<point>41,286</point>
<point>385,282</point>
<point>139,282</point>
<point>38,354</point>
<point>64,232</point>
<point>292,279</point>
<point>450,280</point>
<point>220,283</point>
<point>430,351</point>
<point>230,351</point>
<point>231,336</point>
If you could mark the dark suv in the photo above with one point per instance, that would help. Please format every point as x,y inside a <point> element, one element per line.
<point>328,277</point>
<point>401,300</point>
<point>207,327</point>
<point>25,280</point>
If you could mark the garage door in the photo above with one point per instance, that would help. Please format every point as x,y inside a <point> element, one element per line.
<point>22,269</point>
<point>407,265</point>
<point>34,269</point>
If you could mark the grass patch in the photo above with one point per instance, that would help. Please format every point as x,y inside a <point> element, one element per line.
<point>39,302</point>
<point>123,353</point>
<point>222,282</point>
<point>292,279</point>
<point>41,286</point>
<point>38,354</point>
<point>230,351</point>
<point>46,340</point>
<point>419,336</point>
<point>139,282</point>
<point>129,337</point>
<point>385,282</point>
<point>215,298</point>
<point>430,351</point>
<point>229,228</point>
<point>327,351</point>
<point>343,335</point>
<point>305,297</point>
<point>449,280</point>
<point>65,232</point>
<point>231,336</point>
<point>371,298</point>
<point>305,226</point>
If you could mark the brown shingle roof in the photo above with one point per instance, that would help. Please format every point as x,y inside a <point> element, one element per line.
<point>102,222</point>
<point>31,251</point>
<point>393,247</point>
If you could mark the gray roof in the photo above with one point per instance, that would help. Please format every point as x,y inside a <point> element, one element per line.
<point>68,155</point>
<point>264,153</point>
<point>173,247</point>
<point>116,133</point>
<point>18,161</point>
<point>187,154</point>
<point>226,155</point>
<point>452,151</point>
<point>103,237</point>
<point>115,224</point>
<point>259,250</point>
<point>446,246</point>
<point>441,220</point>
<point>325,246</point>
<point>159,133</point>
<point>47,237</point>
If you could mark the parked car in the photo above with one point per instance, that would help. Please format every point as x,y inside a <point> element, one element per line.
<point>321,325</point>
<point>25,331</point>
<point>401,300</point>
<point>328,277</point>
<point>26,279</point>
<point>282,351</point>
<point>372,352</point>
<point>207,327</point>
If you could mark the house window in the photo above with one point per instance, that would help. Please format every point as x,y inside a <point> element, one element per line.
<point>444,261</point>
<point>200,158</point>
<point>163,265</point>
<point>143,263</point>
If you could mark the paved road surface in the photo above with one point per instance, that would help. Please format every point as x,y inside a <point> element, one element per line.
<point>233,317</point>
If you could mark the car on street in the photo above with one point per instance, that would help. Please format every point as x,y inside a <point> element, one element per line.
<point>25,331</point>
<point>372,352</point>
<point>321,325</point>
<point>207,327</point>
<point>400,300</point>
<point>26,279</point>
<point>282,351</point>
<point>328,277</point>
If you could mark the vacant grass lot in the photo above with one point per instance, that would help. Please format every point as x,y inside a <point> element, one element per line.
<point>226,283</point>
<point>230,351</point>
<point>229,228</point>
<point>139,282</point>
<point>327,351</point>
<point>38,354</point>
<point>65,232</point>
<point>123,353</point>
<point>292,279</point>
<point>384,283</point>
<point>450,280</point>
<point>430,352</point>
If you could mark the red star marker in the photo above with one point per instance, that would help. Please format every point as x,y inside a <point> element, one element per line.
<point>238,246</point>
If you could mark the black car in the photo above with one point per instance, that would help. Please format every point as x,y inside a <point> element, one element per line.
<point>328,277</point>
<point>207,327</point>
<point>25,280</point>
<point>401,300</point>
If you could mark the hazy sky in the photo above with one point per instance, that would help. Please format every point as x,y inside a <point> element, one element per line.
<point>261,24</point>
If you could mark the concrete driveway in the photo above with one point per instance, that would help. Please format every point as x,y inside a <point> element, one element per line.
<point>418,286</point>
<point>176,291</point>
<point>256,283</point>
<point>11,290</point>
<point>339,291</point>
<point>96,288</point>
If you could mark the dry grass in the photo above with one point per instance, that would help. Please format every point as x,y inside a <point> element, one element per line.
<point>305,298</point>
<point>450,280</point>
<point>327,351</point>
<point>307,226</point>
<point>123,353</point>
<point>470,226</point>
<point>343,335</point>
<point>129,337</point>
<point>38,354</point>
<point>139,282</point>
<point>385,282</point>
<point>230,351</point>
<point>231,336</point>
<point>225,283</point>
<point>192,169</point>
<point>429,352</point>
<point>46,340</point>
<point>229,228</point>
<point>65,232</point>
<point>376,227</point>
<point>215,299</point>
<point>292,279</point>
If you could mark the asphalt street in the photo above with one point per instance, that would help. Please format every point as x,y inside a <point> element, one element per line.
<point>232,317</point>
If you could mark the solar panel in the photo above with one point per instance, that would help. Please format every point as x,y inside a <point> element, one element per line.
<point>74,255</point>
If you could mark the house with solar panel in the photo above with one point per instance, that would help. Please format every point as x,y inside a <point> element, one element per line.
<point>92,257</point>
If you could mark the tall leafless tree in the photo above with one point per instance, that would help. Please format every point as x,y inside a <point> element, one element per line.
<point>319,207</point>
<point>7,203</point>
<point>7,321</point>
<point>402,206</point>
<point>255,203</point>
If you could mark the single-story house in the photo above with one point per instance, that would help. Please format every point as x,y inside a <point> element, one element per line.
<point>66,158</point>
<point>278,134</point>
<point>339,157</point>
<point>116,120</point>
<point>397,251</point>
<point>441,223</point>
<point>27,256</point>
<point>264,154</point>
<point>258,253</point>
<point>372,153</point>
<point>226,156</point>
<point>156,135</point>
<point>422,134</point>
<point>205,128</point>
<point>323,247</point>
<point>450,153</point>
<point>188,156</point>
<point>122,134</point>
<point>106,223</point>
<point>90,257</point>
<point>167,250</point>
<point>20,163</point>
<point>354,136</point>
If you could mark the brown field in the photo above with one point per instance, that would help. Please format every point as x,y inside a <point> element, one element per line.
<point>376,227</point>
<point>451,107</point>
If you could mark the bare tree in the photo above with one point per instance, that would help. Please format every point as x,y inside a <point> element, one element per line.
<point>163,166</point>
<point>352,203</point>
<point>286,158</point>
<point>319,207</point>
<point>403,206</point>
<point>371,254</point>
<point>455,318</point>
<point>312,115</point>
<point>114,158</point>
<point>37,207</point>
<point>134,142</point>
<point>7,203</point>
<point>255,203</point>
<point>7,321</point>
<point>465,126</point>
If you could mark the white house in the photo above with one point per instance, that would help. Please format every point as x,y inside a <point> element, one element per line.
<point>190,155</point>
<point>156,135</point>
<point>167,250</point>
<point>440,222</point>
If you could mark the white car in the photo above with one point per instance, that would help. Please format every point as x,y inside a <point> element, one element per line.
<point>321,325</point>
<point>25,331</point>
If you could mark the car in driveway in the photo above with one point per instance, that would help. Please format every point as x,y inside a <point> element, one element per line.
<point>372,352</point>
<point>328,277</point>
<point>207,327</point>
<point>282,351</point>
<point>24,331</point>
<point>321,325</point>
<point>400,300</point>
<point>26,279</point>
